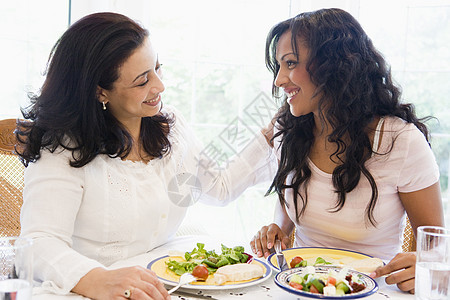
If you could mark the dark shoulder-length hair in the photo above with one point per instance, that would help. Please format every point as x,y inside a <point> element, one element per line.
<point>354,86</point>
<point>66,113</point>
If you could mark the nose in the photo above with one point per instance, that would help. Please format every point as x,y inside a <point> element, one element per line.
<point>157,86</point>
<point>155,90</point>
<point>281,78</point>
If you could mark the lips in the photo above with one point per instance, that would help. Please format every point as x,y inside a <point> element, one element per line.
<point>153,102</point>
<point>290,93</point>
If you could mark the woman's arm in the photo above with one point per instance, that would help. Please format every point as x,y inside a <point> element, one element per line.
<point>219,177</point>
<point>419,192</point>
<point>424,207</point>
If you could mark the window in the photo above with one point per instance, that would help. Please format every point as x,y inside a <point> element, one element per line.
<point>28,31</point>
<point>213,56</point>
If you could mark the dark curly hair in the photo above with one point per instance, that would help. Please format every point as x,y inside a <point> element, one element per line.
<point>354,84</point>
<point>67,113</point>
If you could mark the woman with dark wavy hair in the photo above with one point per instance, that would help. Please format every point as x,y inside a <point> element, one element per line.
<point>353,160</point>
<point>105,162</point>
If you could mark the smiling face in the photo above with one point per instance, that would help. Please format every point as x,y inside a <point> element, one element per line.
<point>293,77</point>
<point>137,91</point>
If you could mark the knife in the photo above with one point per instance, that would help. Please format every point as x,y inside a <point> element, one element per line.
<point>193,295</point>
<point>281,260</point>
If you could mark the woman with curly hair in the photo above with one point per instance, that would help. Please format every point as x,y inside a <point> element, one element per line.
<point>353,160</point>
<point>106,163</point>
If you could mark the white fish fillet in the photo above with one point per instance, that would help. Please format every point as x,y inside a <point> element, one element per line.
<point>238,272</point>
<point>366,265</point>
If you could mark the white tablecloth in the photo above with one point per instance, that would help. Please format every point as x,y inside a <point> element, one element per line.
<point>265,290</point>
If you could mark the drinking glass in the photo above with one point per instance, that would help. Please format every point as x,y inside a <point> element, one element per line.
<point>16,274</point>
<point>433,263</point>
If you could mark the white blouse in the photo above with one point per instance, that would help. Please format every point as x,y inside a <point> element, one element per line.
<point>110,209</point>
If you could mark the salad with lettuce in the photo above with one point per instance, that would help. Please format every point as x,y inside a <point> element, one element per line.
<point>200,256</point>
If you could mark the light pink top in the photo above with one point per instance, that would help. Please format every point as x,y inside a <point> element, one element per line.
<point>410,166</point>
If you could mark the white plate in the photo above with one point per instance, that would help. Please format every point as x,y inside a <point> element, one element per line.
<point>282,280</point>
<point>170,278</point>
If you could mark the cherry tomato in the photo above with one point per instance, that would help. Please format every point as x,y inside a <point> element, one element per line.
<point>296,285</point>
<point>331,281</point>
<point>200,272</point>
<point>295,261</point>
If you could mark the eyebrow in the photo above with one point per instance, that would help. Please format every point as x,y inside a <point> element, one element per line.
<point>142,74</point>
<point>282,58</point>
<point>145,72</point>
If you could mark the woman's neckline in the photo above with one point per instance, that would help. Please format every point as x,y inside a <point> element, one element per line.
<point>377,141</point>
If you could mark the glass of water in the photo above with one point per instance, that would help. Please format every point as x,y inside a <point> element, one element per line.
<point>16,275</point>
<point>433,263</point>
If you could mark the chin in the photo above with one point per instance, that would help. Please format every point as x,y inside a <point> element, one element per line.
<point>156,110</point>
<point>295,112</point>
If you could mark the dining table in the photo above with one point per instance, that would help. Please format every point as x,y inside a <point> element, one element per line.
<point>266,289</point>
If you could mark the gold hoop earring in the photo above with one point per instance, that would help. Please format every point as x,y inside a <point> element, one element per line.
<point>104,105</point>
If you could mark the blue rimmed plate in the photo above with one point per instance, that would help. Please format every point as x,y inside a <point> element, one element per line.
<point>282,279</point>
<point>170,278</point>
<point>339,257</point>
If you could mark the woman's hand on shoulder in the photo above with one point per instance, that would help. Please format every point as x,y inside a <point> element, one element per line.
<point>400,270</point>
<point>268,131</point>
<point>139,282</point>
<point>264,240</point>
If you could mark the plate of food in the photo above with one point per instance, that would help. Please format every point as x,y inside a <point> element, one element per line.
<point>232,268</point>
<point>317,256</point>
<point>326,282</point>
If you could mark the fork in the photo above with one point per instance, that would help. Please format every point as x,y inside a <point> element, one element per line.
<point>281,260</point>
<point>184,279</point>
